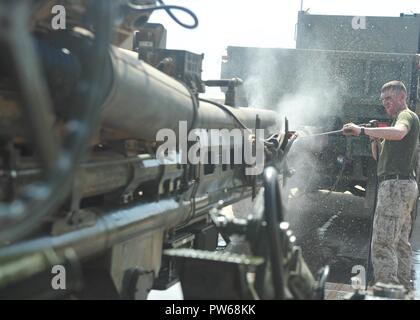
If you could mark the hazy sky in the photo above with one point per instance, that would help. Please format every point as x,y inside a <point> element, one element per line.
<point>262,23</point>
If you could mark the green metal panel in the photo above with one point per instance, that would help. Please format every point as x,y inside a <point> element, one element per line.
<point>354,78</point>
<point>349,33</point>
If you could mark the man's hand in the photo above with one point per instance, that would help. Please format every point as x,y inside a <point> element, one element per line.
<point>351,129</point>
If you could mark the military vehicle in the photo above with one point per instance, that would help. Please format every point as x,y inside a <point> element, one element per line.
<point>89,209</point>
<point>333,77</point>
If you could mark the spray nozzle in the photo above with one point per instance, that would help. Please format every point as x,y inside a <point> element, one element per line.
<point>370,124</point>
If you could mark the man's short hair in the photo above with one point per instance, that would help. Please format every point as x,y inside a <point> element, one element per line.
<point>395,85</point>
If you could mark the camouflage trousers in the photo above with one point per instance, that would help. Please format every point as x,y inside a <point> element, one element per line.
<point>391,249</point>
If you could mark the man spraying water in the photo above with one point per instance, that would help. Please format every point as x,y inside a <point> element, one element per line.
<point>397,192</point>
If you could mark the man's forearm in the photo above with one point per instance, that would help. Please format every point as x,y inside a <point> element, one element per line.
<point>389,133</point>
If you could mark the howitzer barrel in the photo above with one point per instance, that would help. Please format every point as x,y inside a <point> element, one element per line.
<point>143,100</point>
<point>140,100</point>
<point>212,117</point>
